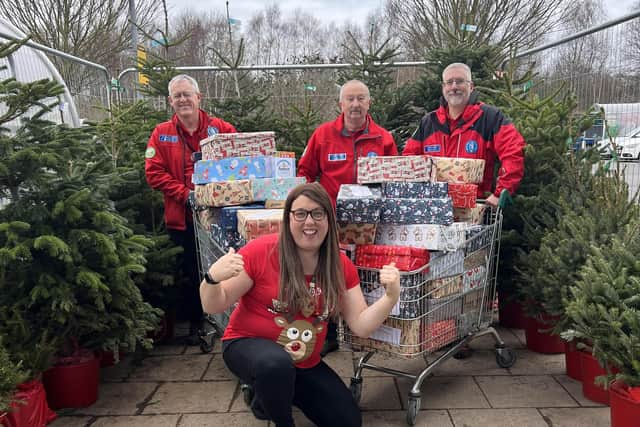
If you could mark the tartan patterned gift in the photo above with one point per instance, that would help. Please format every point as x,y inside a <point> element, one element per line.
<point>416,211</point>
<point>394,168</point>
<point>358,204</point>
<point>223,145</point>
<point>415,190</point>
<point>451,169</point>
<point>224,193</point>
<point>358,234</point>
<point>463,195</point>
<point>405,257</point>
<point>256,223</point>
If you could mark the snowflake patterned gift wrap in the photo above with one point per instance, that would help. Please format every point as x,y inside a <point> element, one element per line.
<point>232,168</point>
<point>224,193</point>
<point>415,190</point>
<point>223,145</point>
<point>274,188</point>
<point>358,204</point>
<point>394,168</point>
<point>416,211</point>
<point>451,169</point>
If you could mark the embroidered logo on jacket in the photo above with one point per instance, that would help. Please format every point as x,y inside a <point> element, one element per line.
<point>372,154</point>
<point>431,148</point>
<point>471,147</point>
<point>212,130</point>
<point>337,157</point>
<point>168,138</point>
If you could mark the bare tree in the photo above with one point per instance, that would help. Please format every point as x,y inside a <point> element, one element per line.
<point>96,30</point>
<point>513,24</point>
<point>633,40</point>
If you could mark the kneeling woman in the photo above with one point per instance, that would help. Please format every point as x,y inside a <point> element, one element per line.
<point>288,285</point>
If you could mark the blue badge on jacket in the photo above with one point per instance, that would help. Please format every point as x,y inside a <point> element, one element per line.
<point>431,148</point>
<point>372,154</point>
<point>337,157</point>
<point>168,138</point>
<point>471,147</point>
<point>212,130</point>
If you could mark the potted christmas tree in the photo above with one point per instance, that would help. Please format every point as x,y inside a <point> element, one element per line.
<point>605,311</point>
<point>11,374</point>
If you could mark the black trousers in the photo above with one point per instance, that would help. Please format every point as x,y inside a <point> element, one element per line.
<point>318,392</point>
<point>190,290</point>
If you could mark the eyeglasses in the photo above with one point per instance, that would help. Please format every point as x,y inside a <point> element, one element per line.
<point>185,95</point>
<point>458,82</point>
<point>301,215</point>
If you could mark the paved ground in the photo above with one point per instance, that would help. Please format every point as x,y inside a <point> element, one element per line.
<point>178,386</point>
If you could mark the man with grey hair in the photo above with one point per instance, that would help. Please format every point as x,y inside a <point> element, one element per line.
<point>168,168</point>
<point>467,128</point>
<point>332,152</point>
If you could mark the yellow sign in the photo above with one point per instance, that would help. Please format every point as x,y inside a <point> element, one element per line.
<point>142,58</point>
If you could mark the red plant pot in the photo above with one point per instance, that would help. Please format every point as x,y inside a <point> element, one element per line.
<point>73,385</point>
<point>33,411</point>
<point>511,313</point>
<point>590,370</point>
<point>573,362</point>
<point>542,342</point>
<point>625,410</point>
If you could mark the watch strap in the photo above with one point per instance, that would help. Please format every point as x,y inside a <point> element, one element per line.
<point>209,279</point>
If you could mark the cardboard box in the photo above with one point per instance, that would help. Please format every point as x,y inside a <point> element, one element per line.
<point>223,145</point>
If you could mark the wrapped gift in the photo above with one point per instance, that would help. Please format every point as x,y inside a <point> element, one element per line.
<point>463,195</point>
<point>256,223</point>
<point>358,234</point>
<point>415,190</point>
<point>223,145</point>
<point>405,257</point>
<point>227,217</point>
<point>393,168</point>
<point>224,193</point>
<point>206,217</point>
<point>444,286</point>
<point>358,204</point>
<point>452,169</point>
<point>473,215</point>
<point>439,334</point>
<point>444,264</point>
<point>409,306</point>
<point>479,237</point>
<point>274,204</point>
<point>349,249</point>
<point>474,278</point>
<point>398,337</point>
<point>226,239</point>
<point>284,164</point>
<point>416,211</point>
<point>469,322</point>
<point>475,259</point>
<point>429,236</point>
<point>231,169</point>
<point>472,301</point>
<point>443,308</point>
<point>274,188</point>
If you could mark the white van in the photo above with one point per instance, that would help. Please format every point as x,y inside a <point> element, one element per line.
<point>630,145</point>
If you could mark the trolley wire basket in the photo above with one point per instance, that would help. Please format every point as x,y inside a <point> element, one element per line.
<point>442,306</point>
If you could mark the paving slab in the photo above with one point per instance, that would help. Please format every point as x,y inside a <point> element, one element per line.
<point>380,393</point>
<point>217,370</point>
<point>481,362</point>
<point>487,342</point>
<point>120,398</point>
<point>118,372</point>
<point>574,388</point>
<point>171,368</point>
<point>217,420</point>
<point>138,421</point>
<point>524,391</point>
<point>70,421</point>
<point>445,393</point>
<point>529,417</point>
<point>577,417</point>
<point>519,333</point>
<point>531,363</point>
<point>167,350</point>
<point>191,397</point>
<point>430,418</point>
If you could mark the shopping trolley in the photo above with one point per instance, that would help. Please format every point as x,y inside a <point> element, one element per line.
<point>442,307</point>
<point>208,250</point>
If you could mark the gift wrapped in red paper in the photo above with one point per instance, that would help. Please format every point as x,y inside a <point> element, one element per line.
<point>439,334</point>
<point>463,195</point>
<point>405,257</point>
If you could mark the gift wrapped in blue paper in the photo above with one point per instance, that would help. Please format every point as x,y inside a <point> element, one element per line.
<point>417,211</point>
<point>415,190</point>
<point>231,169</point>
<point>358,204</point>
<point>227,217</point>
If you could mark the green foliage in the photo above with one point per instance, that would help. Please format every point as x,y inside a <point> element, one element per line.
<point>605,304</point>
<point>11,374</point>
<point>296,130</point>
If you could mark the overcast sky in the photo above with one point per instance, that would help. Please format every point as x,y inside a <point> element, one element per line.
<point>337,11</point>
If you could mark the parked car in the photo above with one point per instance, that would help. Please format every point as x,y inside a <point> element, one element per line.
<point>630,145</point>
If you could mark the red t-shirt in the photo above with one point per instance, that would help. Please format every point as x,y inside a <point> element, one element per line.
<point>253,318</point>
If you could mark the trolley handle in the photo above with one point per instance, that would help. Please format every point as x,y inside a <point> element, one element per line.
<point>505,199</point>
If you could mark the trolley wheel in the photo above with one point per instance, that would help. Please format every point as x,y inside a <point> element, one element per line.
<point>412,410</point>
<point>356,389</point>
<point>505,357</point>
<point>205,346</point>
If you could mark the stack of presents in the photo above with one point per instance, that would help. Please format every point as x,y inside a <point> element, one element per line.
<point>420,213</point>
<point>241,184</point>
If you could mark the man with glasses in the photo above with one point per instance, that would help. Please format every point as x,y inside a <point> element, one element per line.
<point>466,128</point>
<point>168,168</point>
<point>332,151</point>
